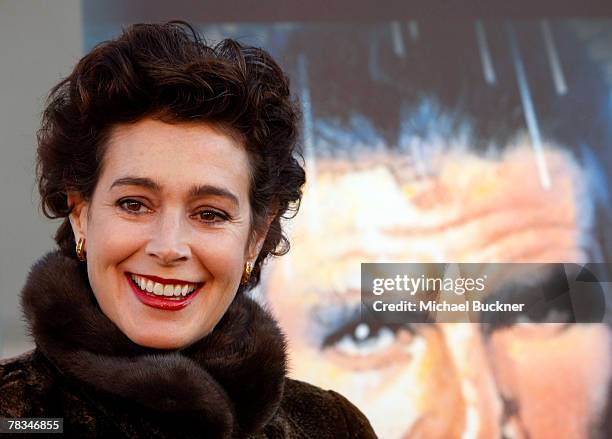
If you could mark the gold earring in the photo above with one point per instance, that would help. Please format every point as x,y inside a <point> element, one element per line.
<point>246,275</point>
<point>79,250</point>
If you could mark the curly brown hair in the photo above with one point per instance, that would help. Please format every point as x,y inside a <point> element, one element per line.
<point>167,72</point>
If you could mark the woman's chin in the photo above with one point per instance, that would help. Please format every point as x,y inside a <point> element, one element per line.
<point>159,340</point>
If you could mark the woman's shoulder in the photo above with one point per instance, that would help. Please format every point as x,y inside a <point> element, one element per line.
<point>15,371</point>
<point>21,379</point>
<point>322,413</point>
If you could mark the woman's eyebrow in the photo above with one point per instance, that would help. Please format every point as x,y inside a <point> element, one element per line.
<point>137,181</point>
<point>208,190</point>
<point>195,191</point>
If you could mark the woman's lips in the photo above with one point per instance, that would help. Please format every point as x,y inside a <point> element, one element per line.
<point>162,302</point>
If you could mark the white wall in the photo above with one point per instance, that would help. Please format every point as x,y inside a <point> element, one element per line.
<point>40,41</point>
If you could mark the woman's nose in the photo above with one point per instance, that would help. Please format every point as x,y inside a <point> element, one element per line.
<point>169,241</point>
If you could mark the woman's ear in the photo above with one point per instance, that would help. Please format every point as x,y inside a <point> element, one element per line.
<point>78,215</point>
<point>258,239</point>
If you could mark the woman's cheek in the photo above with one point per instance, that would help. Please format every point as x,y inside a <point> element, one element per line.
<point>221,256</point>
<point>112,235</point>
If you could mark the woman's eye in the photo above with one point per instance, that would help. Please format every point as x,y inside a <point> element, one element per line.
<point>212,216</point>
<point>131,206</point>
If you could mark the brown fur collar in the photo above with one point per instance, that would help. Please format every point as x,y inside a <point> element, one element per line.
<point>230,382</point>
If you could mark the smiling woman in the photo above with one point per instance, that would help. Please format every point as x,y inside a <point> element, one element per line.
<point>172,164</point>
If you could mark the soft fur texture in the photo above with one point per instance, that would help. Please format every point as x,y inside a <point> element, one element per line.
<point>230,384</point>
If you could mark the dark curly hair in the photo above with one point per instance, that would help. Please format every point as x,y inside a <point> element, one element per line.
<point>167,72</point>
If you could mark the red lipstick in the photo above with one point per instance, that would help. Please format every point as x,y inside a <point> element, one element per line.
<point>162,302</point>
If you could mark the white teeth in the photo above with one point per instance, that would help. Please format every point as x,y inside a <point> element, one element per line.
<point>168,290</point>
<point>158,289</point>
<point>163,290</point>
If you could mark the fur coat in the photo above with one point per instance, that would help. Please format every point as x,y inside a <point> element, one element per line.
<point>230,384</point>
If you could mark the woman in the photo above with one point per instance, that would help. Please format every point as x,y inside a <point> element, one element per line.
<point>172,164</point>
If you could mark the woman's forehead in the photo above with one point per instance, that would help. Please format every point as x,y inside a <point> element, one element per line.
<point>182,156</point>
<point>142,136</point>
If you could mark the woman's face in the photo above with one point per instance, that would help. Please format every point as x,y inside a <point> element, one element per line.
<point>171,213</point>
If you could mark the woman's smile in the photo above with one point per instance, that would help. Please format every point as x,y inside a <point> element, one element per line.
<point>168,296</point>
<point>164,287</point>
<point>176,290</point>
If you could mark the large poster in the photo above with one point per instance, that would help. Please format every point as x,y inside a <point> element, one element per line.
<point>446,141</point>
